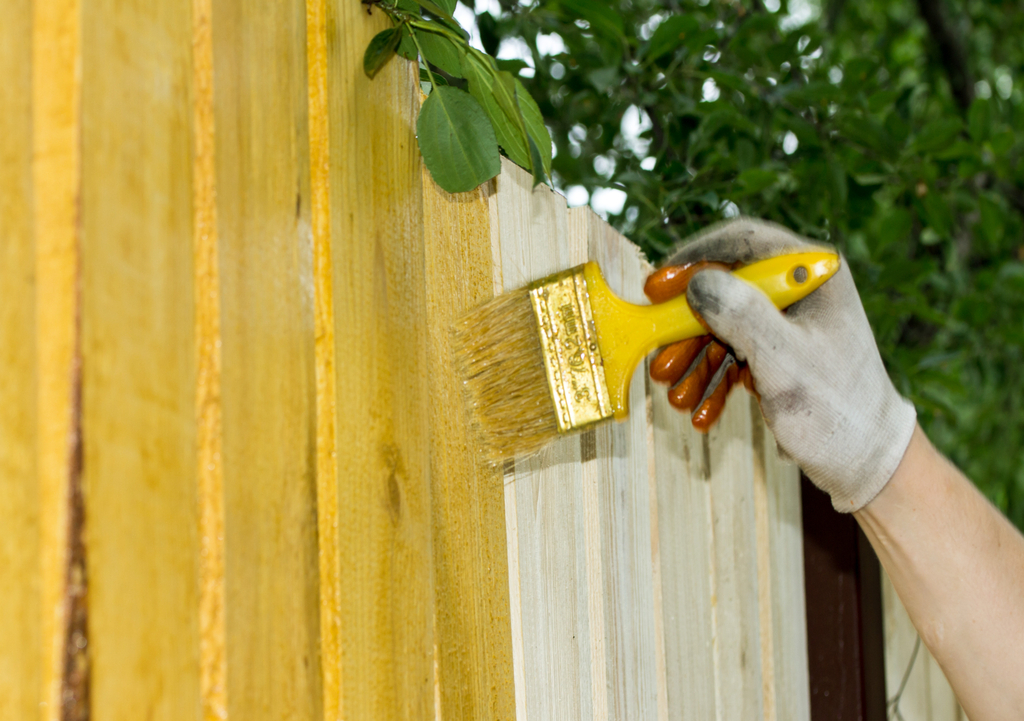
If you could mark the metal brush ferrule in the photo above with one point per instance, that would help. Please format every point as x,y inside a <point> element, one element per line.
<point>572,360</point>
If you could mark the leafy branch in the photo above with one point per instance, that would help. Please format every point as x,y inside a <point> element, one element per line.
<point>473,106</point>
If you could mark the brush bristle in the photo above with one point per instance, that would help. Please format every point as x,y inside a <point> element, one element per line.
<point>499,355</point>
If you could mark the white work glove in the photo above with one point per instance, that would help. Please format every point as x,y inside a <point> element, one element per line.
<point>823,389</point>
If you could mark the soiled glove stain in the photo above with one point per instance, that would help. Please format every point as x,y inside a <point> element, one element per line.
<point>822,386</point>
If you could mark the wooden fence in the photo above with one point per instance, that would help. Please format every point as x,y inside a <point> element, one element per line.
<point>235,474</point>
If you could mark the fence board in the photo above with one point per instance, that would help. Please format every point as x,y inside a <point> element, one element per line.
<point>618,476</point>
<point>550,541</point>
<point>138,371</point>
<point>785,574</point>
<point>287,514</point>
<point>380,579</point>
<point>687,573</point>
<point>20,649</point>
<point>473,633</point>
<point>267,388</point>
<point>56,163</point>
<point>644,579</point>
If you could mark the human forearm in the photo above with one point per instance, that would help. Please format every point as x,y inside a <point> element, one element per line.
<point>958,566</point>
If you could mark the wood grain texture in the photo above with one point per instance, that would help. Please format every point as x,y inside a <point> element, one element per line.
<point>20,648</point>
<point>381,579</point>
<point>551,538</point>
<point>618,477</point>
<point>473,632</point>
<point>268,383</point>
<point>56,67</point>
<point>138,360</point>
<point>737,612</point>
<point>687,569</point>
<point>785,573</point>
<point>927,695</point>
<point>209,417</point>
<point>326,376</point>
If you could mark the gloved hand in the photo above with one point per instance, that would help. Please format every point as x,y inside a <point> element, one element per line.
<point>822,386</point>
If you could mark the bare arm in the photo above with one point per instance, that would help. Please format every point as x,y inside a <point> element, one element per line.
<point>958,566</point>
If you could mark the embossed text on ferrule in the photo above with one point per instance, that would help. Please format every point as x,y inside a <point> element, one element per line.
<point>572,361</point>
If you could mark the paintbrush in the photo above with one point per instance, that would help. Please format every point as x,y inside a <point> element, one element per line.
<point>557,356</point>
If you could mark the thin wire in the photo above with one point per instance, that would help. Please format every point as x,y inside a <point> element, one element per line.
<point>894,704</point>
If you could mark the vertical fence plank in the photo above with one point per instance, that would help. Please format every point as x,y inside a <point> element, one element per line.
<point>56,149</point>
<point>138,363</point>
<point>785,574</point>
<point>267,389</point>
<point>737,623</point>
<point>619,474</point>
<point>209,416</point>
<point>381,578</point>
<point>473,645</point>
<point>20,657</point>
<point>551,539</point>
<point>686,553</point>
<point>323,332</point>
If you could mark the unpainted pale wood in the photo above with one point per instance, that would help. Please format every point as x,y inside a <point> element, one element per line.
<point>138,361</point>
<point>473,645</point>
<point>687,569</point>
<point>20,648</point>
<point>268,386</point>
<point>786,597</point>
<point>56,67</point>
<point>927,695</point>
<point>617,476</point>
<point>381,577</point>
<point>550,538</point>
<point>736,599</point>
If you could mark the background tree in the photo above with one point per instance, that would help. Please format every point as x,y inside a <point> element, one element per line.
<point>891,128</point>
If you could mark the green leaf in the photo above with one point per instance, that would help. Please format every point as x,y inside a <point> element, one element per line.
<point>448,5</point>
<point>536,163</point>
<point>755,180</point>
<point>509,131</point>
<point>671,34</point>
<point>536,131</point>
<point>979,120</point>
<point>457,140</point>
<point>937,134</point>
<point>406,47</point>
<point>513,65</point>
<point>435,9</point>
<point>380,50</point>
<point>938,213</point>
<point>442,52</point>
<point>603,18</point>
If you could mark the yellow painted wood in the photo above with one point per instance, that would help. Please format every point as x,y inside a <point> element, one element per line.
<point>267,379</point>
<point>56,110</point>
<point>473,634</point>
<point>381,578</point>
<point>209,420</point>
<point>326,377</point>
<point>20,648</point>
<point>138,360</point>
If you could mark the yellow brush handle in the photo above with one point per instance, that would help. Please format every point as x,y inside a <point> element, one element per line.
<point>627,332</point>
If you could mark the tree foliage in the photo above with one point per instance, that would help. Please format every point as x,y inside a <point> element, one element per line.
<point>890,128</point>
